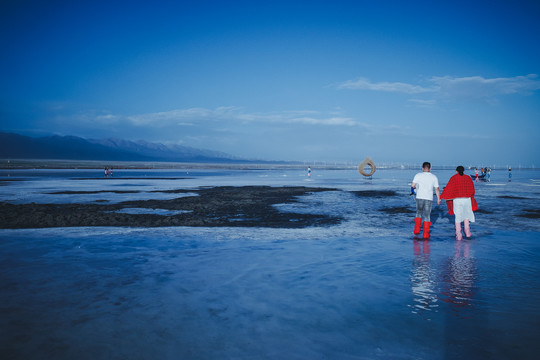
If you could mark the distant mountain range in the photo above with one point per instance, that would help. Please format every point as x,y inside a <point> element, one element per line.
<point>14,146</point>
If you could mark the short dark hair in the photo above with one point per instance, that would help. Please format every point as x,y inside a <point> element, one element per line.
<point>426,165</point>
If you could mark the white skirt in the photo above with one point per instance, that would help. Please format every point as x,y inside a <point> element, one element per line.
<point>463,209</point>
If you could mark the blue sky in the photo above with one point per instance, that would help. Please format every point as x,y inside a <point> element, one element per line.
<point>452,82</point>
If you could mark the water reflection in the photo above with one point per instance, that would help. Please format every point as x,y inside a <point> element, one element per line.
<point>423,279</point>
<point>466,333</point>
<point>455,285</point>
<point>459,278</point>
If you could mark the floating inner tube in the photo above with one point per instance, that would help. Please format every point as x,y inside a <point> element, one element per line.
<point>371,164</point>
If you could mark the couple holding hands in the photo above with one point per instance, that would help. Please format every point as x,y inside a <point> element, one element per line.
<point>459,196</point>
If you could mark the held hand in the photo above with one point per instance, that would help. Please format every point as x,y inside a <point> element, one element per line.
<point>412,191</point>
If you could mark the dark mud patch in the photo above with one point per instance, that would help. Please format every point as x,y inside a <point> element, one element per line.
<point>375,193</point>
<point>174,191</point>
<point>530,214</point>
<point>483,211</point>
<point>69,192</point>
<point>132,178</point>
<point>398,210</point>
<point>248,206</point>
<point>4,182</point>
<point>94,192</point>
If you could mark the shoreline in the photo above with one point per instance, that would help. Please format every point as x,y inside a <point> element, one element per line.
<point>59,164</point>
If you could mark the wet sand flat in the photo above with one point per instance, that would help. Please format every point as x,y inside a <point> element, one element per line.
<point>247,206</point>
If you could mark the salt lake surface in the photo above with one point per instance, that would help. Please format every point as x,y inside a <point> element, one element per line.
<point>363,289</point>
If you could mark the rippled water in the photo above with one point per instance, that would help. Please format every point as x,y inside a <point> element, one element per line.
<point>364,289</point>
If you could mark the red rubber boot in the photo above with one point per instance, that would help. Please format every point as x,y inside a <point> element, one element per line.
<point>426,229</point>
<point>417,225</point>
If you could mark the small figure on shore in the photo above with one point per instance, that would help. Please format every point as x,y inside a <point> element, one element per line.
<point>424,183</point>
<point>459,196</point>
<point>309,171</point>
<point>106,172</point>
<point>110,172</point>
<point>509,174</point>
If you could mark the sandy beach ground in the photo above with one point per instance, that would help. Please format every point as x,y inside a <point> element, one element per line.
<point>268,264</point>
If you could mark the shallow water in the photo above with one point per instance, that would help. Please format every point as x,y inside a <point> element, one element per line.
<point>364,289</point>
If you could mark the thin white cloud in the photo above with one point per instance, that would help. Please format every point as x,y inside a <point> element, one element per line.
<point>399,87</point>
<point>480,87</point>
<point>448,87</point>
<point>193,116</point>
<point>325,121</point>
<point>180,116</point>
<point>108,118</point>
<point>426,103</point>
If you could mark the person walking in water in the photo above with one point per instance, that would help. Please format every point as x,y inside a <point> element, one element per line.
<point>459,196</point>
<point>424,183</point>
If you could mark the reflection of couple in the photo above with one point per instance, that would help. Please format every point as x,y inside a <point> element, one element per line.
<point>457,280</point>
<point>422,278</point>
<point>459,276</point>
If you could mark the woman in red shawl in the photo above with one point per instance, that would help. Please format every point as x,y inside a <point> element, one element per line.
<point>459,195</point>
